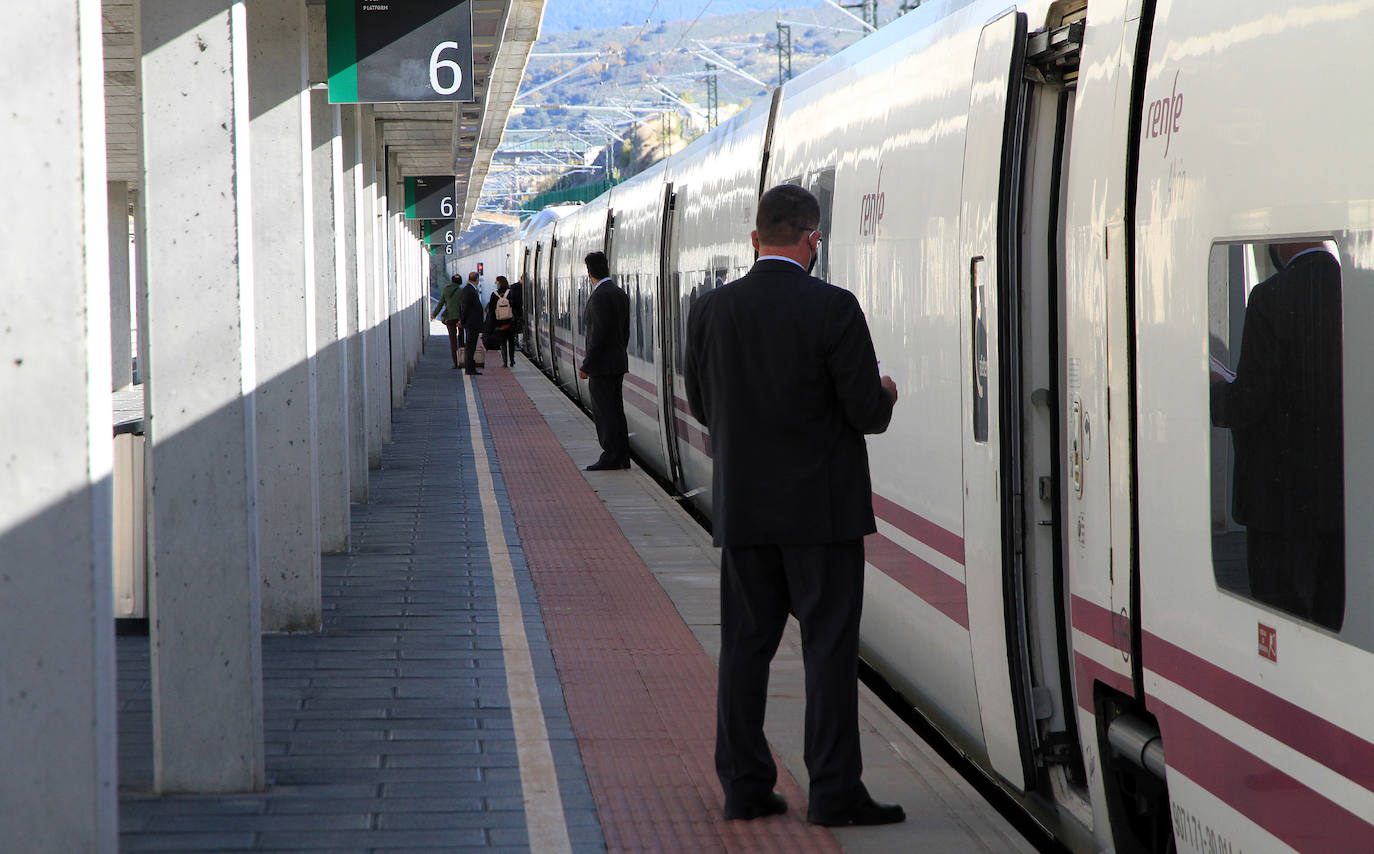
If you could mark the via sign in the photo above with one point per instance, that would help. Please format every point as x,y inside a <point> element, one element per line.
<point>383,51</point>
<point>439,232</point>
<point>430,197</point>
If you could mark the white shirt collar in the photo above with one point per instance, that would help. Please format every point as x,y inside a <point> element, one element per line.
<point>781,258</point>
<point>602,282</point>
<point>1309,252</point>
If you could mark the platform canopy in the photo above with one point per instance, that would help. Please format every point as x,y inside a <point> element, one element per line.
<point>428,138</point>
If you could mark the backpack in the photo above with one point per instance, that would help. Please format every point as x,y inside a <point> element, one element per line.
<point>503,310</point>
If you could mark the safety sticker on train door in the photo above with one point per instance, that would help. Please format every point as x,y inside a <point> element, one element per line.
<point>1269,643</point>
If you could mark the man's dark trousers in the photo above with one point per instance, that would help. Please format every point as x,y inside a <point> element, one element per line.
<point>608,411</point>
<point>759,586</point>
<point>470,351</point>
<point>453,334</point>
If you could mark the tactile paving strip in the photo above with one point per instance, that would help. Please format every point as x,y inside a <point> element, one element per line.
<point>640,690</point>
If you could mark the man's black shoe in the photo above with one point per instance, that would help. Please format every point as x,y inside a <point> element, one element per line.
<point>863,812</point>
<point>474,373</point>
<point>770,804</point>
<point>604,466</point>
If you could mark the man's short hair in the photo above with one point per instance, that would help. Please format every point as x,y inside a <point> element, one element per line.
<point>597,265</point>
<point>786,214</point>
<point>473,277</point>
<point>456,278</point>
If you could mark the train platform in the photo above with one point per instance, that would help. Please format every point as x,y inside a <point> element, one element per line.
<point>518,655</point>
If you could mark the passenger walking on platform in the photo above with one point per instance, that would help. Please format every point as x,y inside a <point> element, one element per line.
<point>780,367</point>
<point>501,320</point>
<point>607,319</point>
<point>517,304</point>
<point>470,321</point>
<point>448,305</point>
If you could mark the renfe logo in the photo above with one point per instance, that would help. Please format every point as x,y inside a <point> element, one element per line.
<point>1163,116</point>
<point>1269,643</point>
<point>871,209</point>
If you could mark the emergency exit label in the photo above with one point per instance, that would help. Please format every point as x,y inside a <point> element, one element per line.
<point>430,197</point>
<point>383,51</point>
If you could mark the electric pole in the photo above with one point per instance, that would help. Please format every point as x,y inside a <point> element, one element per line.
<point>712,97</point>
<point>784,52</point>
<point>868,10</point>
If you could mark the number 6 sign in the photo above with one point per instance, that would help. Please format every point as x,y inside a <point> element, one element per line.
<point>384,51</point>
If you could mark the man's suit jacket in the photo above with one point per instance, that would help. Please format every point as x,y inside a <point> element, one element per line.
<point>470,309</point>
<point>607,320</point>
<point>1284,407</point>
<point>780,367</point>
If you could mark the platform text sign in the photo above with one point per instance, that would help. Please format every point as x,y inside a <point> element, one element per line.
<point>430,197</point>
<point>383,51</point>
<point>440,232</point>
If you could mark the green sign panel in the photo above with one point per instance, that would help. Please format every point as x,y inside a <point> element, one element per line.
<point>399,50</point>
<point>430,197</point>
<point>440,232</point>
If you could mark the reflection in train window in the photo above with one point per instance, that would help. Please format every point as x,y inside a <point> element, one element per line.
<point>822,184</point>
<point>1277,447</point>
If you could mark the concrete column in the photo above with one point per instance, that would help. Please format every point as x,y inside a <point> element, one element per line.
<point>57,697</point>
<point>205,621</point>
<point>370,284</point>
<point>140,230</point>
<point>284,270</point>
<point>331,299</point>
<point>121,303</point>
<point>396,282</point>
<point>349,191</point>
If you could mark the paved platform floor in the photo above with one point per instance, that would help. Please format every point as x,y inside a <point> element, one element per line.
<point>517,655</point>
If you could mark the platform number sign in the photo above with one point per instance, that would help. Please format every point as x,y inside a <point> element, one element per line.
<point>441,232</point>
<point>430,197</point>
<point>399,50</point>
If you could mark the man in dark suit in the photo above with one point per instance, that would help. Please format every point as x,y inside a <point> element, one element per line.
<point>470,321</point>
<point>780,366</point>
<point>607,319</point>
<point>1284,408</point>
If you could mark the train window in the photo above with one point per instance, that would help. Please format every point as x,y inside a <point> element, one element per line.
<point>822,184</point>
<point>1277,438</point>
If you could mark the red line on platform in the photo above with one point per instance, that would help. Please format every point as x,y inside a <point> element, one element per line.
<point>640,690</point>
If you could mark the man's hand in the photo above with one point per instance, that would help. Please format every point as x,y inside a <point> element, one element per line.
<point>582,374</point>
<point>891,386</point>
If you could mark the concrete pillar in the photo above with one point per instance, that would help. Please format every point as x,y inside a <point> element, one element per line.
<point>204,583</point>
<point>284,272</point>
<point>331,299</point>
<point>349,191</point>
<point>121,302</point>
<point>370,284</point>
<point>396,282</point>
<point>57,696</point>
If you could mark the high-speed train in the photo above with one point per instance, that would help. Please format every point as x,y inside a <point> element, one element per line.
<point>1053,214</point>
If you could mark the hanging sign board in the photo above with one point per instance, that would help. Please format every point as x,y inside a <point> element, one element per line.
<point>430,197</point>
<point>439,232</point>
<point>399,50</point>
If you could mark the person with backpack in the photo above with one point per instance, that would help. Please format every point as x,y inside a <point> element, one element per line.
<point>501,321</point>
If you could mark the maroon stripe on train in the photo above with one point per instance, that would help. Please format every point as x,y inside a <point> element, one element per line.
<point>943,592</point>
<point>1113,629</point>
<point>945,542</point>
<point>642,383</point>
<point>694,437</point>
<point>1088,671</point>
<point>1311,735</point>
<point>1298,815</point>
<point>648,406</point>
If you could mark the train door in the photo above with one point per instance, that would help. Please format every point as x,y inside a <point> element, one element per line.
<point>987,239</point>
<point>669,336</point>
<point>1036,408</point>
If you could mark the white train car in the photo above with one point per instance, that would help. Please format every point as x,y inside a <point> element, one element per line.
<point>1054,215</point>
